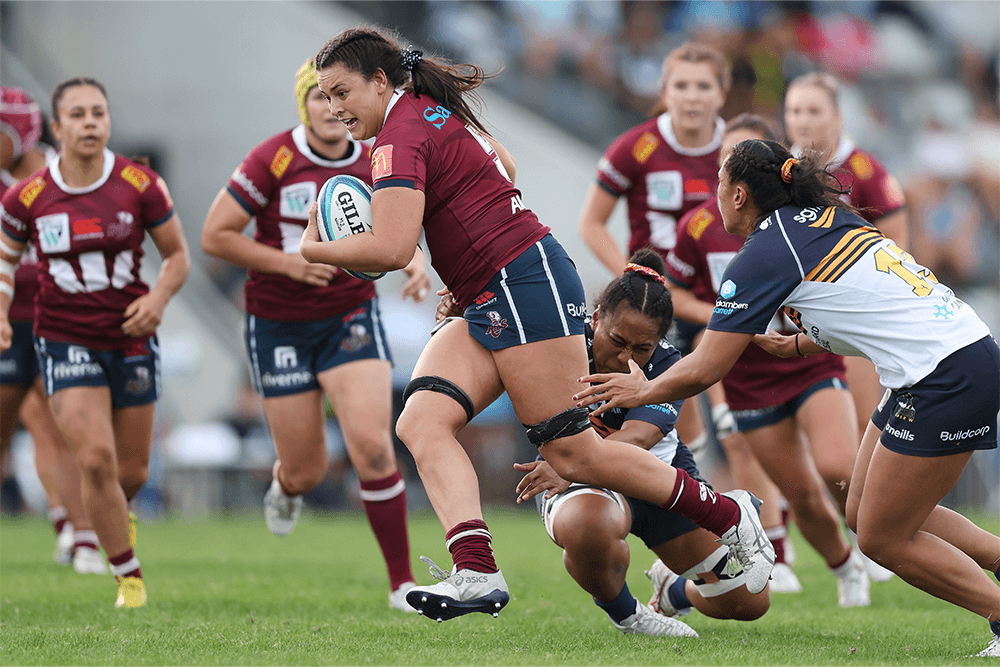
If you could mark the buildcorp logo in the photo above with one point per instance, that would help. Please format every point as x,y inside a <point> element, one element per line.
<point>964,435</point>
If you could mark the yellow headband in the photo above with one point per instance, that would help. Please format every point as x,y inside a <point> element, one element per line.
<point>305,80</point>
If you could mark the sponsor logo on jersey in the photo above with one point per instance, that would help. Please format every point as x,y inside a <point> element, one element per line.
<point>697,188</point>
<point>902,434</point>
<point>285,356</point>
<point>862,166</point>
<point>964,435</point>
<point>166,193</point>
<point>30,191</point>
<point>295,200</point>
<point>943,312</point>
<point>286,379</point>
<point>382,162</point>
<point>88,228</point>
<point>727,290</point>
<point>484,298</point>
<point>248,186</point>
<point>436,116</point>
<point>141,383</point>
<point>608,171</point>
<point>644,147</point>
<point>729,307</point>
<point>11,220</point>
<point>357,339</point>
<point>497,324</point>
<point>680,265</point>
<point>122,226</point>
<point>135,176</point>
<point>575,310</point>
<point>698,223</point>
<point>665,190</point>
<point>280,161</point>
<point>53,232</point>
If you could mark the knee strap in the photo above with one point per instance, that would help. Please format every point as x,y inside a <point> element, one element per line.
<point>441,386</point>
<point>566,423</point>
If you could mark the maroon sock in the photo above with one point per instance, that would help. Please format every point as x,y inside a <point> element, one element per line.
<point>385,505</point>
<point>58,517</point>
<point>85,538</point>
<point>125,564</point>
<point>843,562</point>
<point>778,535</point>
<point>710,510</point>
<point>469,544</point>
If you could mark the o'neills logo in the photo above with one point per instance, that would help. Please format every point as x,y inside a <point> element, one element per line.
<point>964,435</point>
<point>901,434</point>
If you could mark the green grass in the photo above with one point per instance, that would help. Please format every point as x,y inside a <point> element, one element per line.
<point>226,592</point>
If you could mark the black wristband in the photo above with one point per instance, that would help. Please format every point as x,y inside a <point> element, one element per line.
<point>797,346</point>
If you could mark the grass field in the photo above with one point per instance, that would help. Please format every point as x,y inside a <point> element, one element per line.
<point>227,592</point>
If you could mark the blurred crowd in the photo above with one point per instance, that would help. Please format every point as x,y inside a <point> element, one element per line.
<point>919,84</point>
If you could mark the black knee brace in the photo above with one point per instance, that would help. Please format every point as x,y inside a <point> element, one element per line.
<point>566,423</point>
<point>442,386</point>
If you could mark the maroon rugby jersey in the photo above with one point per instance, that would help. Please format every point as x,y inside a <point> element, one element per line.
<point>758,379</point>
<point>874,191</point>
<point>89,243</point>
<point>474,221</point>
<point>278,182</point>
<point>660,179</point>
<point>22,308</point>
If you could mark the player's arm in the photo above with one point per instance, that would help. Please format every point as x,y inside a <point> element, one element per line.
<point>143,315</point>
<point>597,209</point>
<point>639,433</point>
<point>10,257</point>
<point>222,236</point>
<point>896,226</point>
<point>397,216</point>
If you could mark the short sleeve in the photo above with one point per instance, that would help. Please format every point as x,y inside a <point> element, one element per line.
<point>616,170</point>
<point>684,258</point>
<point>157,205</point>
<point>14,217</point>
<point>399,156</point>
<point>256,178</point>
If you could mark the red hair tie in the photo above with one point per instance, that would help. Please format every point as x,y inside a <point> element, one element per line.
<point>786,169</point>
<point>644,270</point>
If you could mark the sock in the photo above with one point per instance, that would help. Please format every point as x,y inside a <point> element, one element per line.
<point>621,607</point>
<point>469,544</point>
<point>841,568</point>
<point>385,505</point>
<point>695,500</point>
<point>995,627</point>
<point>677,595</point>
<point>997,574</point>
<point>85,538</point>
<point>125,565</point>
<point>58,517</point>
<point>777,536</point>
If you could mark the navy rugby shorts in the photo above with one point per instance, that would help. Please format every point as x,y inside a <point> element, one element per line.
<point>537,296</point>
<point>748,420</point>
<point>286,357</point>
<point>19,364</point>
<point>132,374</point>
<point>952,410</point>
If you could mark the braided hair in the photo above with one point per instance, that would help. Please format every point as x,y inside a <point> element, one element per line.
<point>641,290</point>
<point>805,182</point>
<point>367,49</point>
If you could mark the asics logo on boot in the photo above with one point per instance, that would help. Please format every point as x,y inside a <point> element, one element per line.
<point>471,580</point>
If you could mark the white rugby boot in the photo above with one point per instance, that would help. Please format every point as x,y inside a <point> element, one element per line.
<point>64,545</point>
<point>397,598</point>
<point>748,543</point>
<point>991,651</point>
<point>645,621</point>
<point>459,592</point>
<point>853,582</point>
<point>783,580</point>
<point>89,561</point>
<point>663,578</point>
<point>281,511</point>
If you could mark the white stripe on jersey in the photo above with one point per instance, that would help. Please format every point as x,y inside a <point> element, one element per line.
<point>513,308</point>
<point>788,242</point>
<point>555,290</point>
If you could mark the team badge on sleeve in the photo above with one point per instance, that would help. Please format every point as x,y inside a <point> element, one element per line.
<point>644,147</point>
<point>280,162</point>
<point>31,191</point>
<point>382,162</point>
<point>139,180</point>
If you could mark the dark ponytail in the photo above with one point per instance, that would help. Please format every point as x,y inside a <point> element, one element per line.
<point>641,289</point>
<point>367,49</point>
<point>805,183</point>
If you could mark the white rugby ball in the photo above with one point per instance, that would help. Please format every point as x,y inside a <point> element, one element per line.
<point>345,209</point>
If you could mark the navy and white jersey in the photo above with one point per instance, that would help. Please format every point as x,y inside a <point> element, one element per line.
<point>662,415</point>
<point>847,287</point>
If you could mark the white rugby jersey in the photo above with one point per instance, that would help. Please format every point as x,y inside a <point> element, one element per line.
<point>847,287</point>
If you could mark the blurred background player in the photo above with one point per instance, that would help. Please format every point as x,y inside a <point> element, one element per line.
<point>87,214</point>
<point>663,168</point>
<point>22,395</point>
<point>437,170</point>
<point>778,401</point>
<point>630,320</point>
<point>315,326</point>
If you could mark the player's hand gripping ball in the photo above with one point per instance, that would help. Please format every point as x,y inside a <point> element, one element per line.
<point>345,208</point>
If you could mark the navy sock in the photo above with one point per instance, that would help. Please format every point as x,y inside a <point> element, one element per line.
<point>677,595</point>
<point>995,627</point>
<point>997,574</point>
<point>621,607</point>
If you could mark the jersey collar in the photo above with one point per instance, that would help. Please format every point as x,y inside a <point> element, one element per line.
<point>396,95</point>
<point>109,165</point>
<point>667,130</point>
<point>299,137</point>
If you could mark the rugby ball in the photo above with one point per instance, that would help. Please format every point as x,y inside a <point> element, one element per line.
<point>345,209</point>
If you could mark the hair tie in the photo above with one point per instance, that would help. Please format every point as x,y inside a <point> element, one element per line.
<point>786,169</point>
<point>644,270</point>
<point>411,58</point>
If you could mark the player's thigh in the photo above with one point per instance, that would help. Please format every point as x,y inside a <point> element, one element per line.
<point>296,422</point>
<point>863,381</point>
<point>360,394</point>
<point>37,417</point>
<point>11,399</point>
<point>859,477</point>
<point>828,420</point>
<point>542,377</point>
<point>83,414</point>
<point>454,355</point>
<point>784,457</point>
<point>593,517</point>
